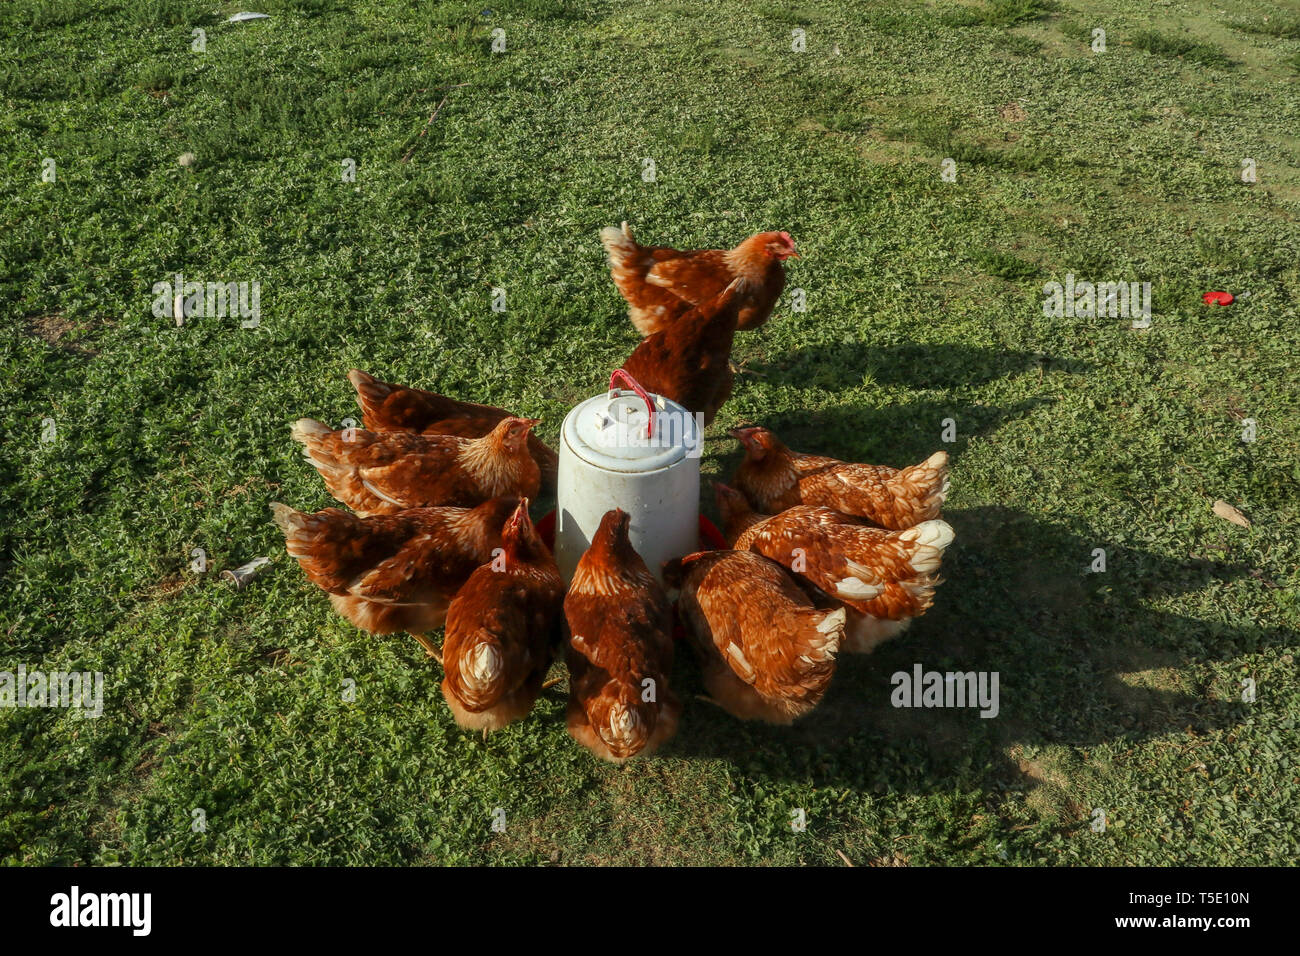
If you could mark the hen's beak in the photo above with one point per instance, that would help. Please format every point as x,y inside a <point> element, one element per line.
<point>520,515</point>
<point>743,435</point>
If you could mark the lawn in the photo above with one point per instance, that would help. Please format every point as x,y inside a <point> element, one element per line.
<point>256,727</point>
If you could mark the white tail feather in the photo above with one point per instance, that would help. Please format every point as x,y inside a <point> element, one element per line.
<point>832,621</point>
<point>934,533</point>
<point>855,589</point>
<point>305,428</point>
<point>618,243</point>
<point>288,520</point>
<point>623,725</point>
<point>483,665</point>
<point>741,665</point>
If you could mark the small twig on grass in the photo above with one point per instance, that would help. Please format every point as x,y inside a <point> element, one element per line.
<point>1263,579</point>
<point>847,861</point>
<point>432,117</point>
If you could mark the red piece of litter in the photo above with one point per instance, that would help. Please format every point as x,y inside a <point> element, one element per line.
<point>1217,298</point>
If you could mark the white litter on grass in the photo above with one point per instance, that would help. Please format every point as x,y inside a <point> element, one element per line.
<point>241,17</point>
<point>242,575</point>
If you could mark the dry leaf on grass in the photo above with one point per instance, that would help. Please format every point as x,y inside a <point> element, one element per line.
<point>1228,512</point>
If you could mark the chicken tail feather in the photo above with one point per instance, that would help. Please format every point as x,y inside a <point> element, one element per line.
<point>925,485</point>
<point>371,392</point>
<point>312,435</point>
<point>931,539</point>
<point>829,628</point>
<point>483,664</point>
<point>832,621</point>
<point>624,732</point>
<point>305,533</point>
<point>619,244</point>
<point>306,429</point>
<point>289,521</point>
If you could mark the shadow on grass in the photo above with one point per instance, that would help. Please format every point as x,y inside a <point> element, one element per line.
<point>1017,599</point>
<point>940,365</point>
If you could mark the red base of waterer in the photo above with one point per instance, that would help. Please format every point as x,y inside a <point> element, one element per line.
<point>711,538</point>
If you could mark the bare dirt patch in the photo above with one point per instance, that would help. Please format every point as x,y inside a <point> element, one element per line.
<point>1013,112</point>
<point>53,329</point>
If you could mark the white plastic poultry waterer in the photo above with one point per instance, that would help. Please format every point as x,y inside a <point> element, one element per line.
<point>636,451</point>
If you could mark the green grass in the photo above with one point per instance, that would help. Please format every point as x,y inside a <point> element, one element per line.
<point>1182,48</point>
<point>1119,690</point>
<point>941,136</point>
<point>998,13</point>
<point>1286,28</point>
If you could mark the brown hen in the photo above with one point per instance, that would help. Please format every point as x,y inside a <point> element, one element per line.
<point>774,478</point>
<point>884,578</point>
<point>500,630</point>
<point>766,652</point>
<point>688,361</point>
<point>394,572</point>
<point>738,515</point>
<point>387,407</point>
<point>620,649</point>
<point>661,285</point>
<point>384,473</point>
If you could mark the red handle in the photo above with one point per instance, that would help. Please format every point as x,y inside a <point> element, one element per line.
<point>632,383</point>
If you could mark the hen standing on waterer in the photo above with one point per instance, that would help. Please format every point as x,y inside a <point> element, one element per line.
<point>689,361</point>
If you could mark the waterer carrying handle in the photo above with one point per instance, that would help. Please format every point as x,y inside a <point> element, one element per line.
<point>632,383</point>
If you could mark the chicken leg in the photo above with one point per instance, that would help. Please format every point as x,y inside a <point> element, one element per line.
<point>428,647</point>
